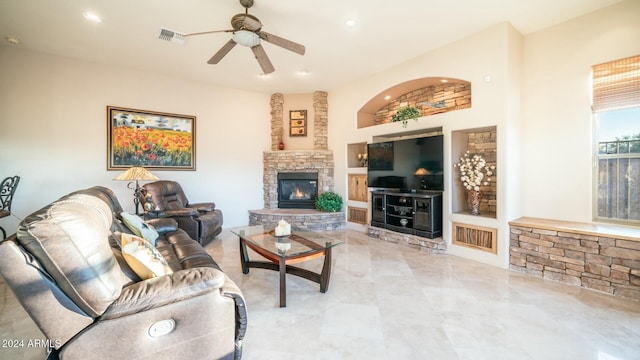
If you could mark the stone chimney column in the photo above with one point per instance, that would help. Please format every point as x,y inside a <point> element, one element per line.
<point>277,125</point>
<point>320,121</point>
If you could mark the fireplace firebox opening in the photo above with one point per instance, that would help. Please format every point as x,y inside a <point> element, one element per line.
<point>297,190</point>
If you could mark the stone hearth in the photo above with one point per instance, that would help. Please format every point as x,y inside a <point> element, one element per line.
<point>301,219</point>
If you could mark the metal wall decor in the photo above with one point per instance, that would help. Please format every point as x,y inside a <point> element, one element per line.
<point>298,123</point>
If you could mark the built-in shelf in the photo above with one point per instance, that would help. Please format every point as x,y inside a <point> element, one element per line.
<point>485,214</point>
<point>357,155</point>
<point>477,141</point>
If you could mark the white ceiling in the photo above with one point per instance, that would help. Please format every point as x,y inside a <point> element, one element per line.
<point>387,33</point>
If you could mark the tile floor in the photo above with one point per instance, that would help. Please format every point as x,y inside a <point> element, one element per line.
<point>387,301</point>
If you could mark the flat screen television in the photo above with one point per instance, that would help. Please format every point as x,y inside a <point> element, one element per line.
<point>407,164</point>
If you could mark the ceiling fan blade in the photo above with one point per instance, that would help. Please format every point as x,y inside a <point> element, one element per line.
<point>282,42</point>
<point>222,52</point>
<point>263,59</point>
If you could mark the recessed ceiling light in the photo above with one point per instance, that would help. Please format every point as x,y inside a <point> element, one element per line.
<point>351,23</point>
<point>92,17</point>
<point>11,40</point>
<point>444,80</point>
<point>303,72</point>
<point>387,97</point>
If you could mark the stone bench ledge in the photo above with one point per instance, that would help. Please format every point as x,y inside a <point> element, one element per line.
<point>593,229</point>
<point>300,219</point>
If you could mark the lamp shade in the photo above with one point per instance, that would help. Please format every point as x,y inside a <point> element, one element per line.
<point>136,173</point>
<point>422,171</point>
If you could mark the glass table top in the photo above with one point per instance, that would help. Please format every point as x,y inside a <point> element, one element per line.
<point>296,244</point>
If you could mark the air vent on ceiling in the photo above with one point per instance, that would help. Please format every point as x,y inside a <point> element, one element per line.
<point>172,36</point>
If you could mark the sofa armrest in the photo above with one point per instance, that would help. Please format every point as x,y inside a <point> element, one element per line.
<point>230,289</point>
<point>203,207</point>
<point>164,290</point>
<point>163,225</point>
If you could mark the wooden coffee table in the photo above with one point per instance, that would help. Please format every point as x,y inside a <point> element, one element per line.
<point>282,252</point>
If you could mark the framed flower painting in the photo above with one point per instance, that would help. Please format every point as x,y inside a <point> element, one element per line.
<point>154,140</point>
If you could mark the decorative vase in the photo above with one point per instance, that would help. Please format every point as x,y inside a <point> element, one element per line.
<point>281,146</point>
<point>404,222</point>
<point>475,198</point>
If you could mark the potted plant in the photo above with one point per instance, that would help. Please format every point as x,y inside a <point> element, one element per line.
<point>406,113</point>
<point>329,201</point>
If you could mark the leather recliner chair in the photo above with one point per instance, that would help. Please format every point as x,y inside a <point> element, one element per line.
<point>66,268</point>
<point>202,221</point>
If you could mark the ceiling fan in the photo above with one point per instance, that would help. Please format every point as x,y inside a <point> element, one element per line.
<point>247,31</point>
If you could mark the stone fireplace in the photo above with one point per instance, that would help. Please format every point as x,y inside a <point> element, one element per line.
<point>315,163</point>
<point>315,166</point>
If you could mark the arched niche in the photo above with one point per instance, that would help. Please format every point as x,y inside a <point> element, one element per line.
<point>430,95</point>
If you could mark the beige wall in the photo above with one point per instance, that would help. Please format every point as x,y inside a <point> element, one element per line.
<point>298,102</point>
<point>557,124</point>
<point>471,59</point>
<point>53,131</point>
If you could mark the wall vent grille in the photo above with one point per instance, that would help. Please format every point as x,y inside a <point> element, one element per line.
<point>357,215</point>
<point>172,36</point>
<point>475,237</point>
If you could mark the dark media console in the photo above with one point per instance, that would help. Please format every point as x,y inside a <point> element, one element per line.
<point>411,212</point>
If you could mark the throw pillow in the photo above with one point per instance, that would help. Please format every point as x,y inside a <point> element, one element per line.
<point>143,258</point>
<point>139,227</point>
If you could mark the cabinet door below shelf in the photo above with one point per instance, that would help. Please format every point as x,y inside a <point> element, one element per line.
<point>358,187</point>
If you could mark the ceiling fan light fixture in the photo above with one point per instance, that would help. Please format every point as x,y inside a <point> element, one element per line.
<point>246,38</point>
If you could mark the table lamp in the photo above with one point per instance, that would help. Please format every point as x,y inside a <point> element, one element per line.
<point>136,174</point>
<point>422,172</point>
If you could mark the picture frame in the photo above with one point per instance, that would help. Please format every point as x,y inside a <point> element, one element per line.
<point>151,139</point>
<point>298,123</point>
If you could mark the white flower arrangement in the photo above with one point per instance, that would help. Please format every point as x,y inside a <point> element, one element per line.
<point>474,171</point>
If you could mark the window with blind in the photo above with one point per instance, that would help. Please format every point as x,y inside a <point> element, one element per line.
<point>616,107</point>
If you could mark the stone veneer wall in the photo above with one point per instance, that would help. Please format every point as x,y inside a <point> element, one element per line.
<point>456,96</point>
<point>320,161</point>
<point>602,263</point>
<point>300,219</point>
<point>277,125</point>
<point>434,246</point>
<point>320,121</point>
<point>484,144</point>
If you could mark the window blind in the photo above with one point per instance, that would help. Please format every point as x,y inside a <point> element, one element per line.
<point>616,84</point>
